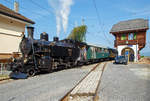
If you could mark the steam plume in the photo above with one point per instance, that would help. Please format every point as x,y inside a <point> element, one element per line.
<point>62,11</point>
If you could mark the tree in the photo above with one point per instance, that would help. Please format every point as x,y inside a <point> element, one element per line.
<point>78,33</point>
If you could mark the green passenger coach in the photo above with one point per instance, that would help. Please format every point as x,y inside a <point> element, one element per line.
<point>96,52</point>
<point>90,53</point>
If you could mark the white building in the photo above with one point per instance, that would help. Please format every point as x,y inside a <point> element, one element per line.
<point>12,28</point>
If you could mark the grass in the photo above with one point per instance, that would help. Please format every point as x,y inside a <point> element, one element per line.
<point>145,56</point>
<point>142,56</point>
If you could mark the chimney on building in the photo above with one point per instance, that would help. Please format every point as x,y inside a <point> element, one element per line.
<point>16,6</point>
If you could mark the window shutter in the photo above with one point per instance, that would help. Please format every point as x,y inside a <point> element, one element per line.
<point>134,36</point>
<point>123,37</point>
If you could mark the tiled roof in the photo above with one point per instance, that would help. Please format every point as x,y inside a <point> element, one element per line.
<point>130,25</point>
<point>10,13</point>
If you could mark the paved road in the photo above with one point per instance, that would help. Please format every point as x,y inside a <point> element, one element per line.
<point>48,87</point>
<point>125,83</point>
<point>119,83</point>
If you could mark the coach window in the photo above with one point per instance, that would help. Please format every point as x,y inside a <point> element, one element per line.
<point>96,49</point>
<point>102,50</point>
<point>99,50</point>
<point>106,50</point>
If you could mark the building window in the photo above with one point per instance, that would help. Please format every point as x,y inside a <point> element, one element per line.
<point>123,37</point>
<point>130,37</point>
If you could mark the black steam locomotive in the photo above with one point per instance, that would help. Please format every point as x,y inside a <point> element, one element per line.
<point>43,55</point>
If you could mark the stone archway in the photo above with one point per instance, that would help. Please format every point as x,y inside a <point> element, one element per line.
<point>129,52</point>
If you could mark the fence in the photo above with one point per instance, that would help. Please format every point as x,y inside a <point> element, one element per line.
<point>4,68</point>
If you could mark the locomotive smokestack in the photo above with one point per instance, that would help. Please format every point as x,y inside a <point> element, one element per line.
<point>44,36</point>
<point>56,39</point>
<point>30,32</point>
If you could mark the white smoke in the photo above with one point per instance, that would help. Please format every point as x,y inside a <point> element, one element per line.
<point>62,11</point>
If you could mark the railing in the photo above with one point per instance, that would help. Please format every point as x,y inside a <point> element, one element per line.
<point>4,68</point>
<point>129,42</point>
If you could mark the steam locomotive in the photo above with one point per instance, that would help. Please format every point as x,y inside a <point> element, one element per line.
<point>44,55</point>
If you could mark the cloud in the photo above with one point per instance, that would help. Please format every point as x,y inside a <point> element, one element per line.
<point>138,11</point>
<point>62,11</point>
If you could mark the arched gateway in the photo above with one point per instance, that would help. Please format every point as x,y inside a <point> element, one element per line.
<point>129,52</point>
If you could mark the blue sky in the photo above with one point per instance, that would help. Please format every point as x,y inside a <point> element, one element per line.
<point>110,11</point>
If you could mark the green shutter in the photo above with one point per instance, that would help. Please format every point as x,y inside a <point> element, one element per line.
<point>123,37</point>
<point>134,36</point>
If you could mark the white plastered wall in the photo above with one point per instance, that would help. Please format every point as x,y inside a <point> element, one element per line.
<point>10,34</point>
<point>134,47</point>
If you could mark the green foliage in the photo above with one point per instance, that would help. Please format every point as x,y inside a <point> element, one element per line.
<point>142,56</point>
<point>78,33</point>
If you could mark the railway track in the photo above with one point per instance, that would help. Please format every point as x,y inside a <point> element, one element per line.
<point>87,88</point>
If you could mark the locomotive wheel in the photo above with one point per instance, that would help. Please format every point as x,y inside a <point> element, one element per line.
<point>31,72</point>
